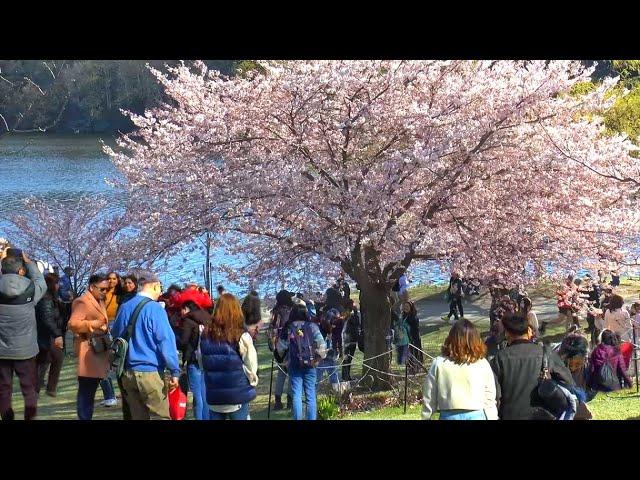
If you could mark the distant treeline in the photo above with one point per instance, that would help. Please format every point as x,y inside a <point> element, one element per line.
<point>80,96</point>
<point>85,96</point>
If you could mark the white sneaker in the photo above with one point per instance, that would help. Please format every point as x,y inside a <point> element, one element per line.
<point>112,402</point>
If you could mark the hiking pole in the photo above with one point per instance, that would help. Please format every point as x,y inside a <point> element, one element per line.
<point>635,357</point>
<point>270,385</point>
<point>406,376</point>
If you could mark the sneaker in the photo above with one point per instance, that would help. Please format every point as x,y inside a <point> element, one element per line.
<point>112,402</point>
<point>51,394</point>
<point>445,318</point>
<point>278,405</point>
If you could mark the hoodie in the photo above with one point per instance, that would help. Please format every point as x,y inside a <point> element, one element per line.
<point>190,334</point>
<point>18,326</point>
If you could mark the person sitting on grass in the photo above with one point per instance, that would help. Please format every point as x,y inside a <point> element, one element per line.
<point>460,383</point>
<point>573,351</point>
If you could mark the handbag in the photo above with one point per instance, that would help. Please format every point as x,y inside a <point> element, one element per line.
<point>552,397</point>
<point>102,343</point>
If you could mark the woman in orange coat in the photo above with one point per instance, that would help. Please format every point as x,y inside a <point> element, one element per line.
<point>88,320</point>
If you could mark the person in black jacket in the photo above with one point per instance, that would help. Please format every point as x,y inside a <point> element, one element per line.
<point>194,321</point>
<point>333,298</point>
<point>517,370</point>
<point>129,289</point>
<point>49,325</point>
<point>416,357</point>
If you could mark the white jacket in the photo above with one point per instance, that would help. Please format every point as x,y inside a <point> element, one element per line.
<point>450,386</point>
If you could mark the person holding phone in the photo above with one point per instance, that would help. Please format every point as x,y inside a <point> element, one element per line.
<point>21,288</point>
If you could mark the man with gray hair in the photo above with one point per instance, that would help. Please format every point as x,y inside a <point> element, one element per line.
<point>152,348</point>
<point>21,288</point>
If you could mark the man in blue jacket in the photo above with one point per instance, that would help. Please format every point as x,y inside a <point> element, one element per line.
<point>152,348</point>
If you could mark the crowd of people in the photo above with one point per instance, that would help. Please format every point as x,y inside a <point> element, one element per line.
<point>131,335</point>
<point>178,338</point>
<point>514,375</point>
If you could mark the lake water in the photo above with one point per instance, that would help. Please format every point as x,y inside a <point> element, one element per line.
<point>66,167</point>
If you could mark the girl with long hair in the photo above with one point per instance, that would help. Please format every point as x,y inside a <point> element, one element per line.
<point>229,361</point>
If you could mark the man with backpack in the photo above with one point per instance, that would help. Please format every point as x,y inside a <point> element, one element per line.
<point>305,347</point>
<point>151,349</point>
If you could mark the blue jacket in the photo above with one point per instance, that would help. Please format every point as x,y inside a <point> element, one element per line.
<point>64,291</point>
<point>224,378</point>
<point>153,343</point>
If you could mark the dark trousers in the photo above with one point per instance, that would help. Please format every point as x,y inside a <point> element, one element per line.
<point>86,395</point>
<point>349,350</point>
<point>65,310</point>
<point>126,412</point>
<point>51,357</point>
<point>456,302</point>
<point>27,373</point>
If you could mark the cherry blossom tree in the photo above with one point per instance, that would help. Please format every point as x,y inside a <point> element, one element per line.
<point>368,166</point>
<point>86,234</point>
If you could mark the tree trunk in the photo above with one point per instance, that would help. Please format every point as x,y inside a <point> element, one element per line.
<point>376,312</point>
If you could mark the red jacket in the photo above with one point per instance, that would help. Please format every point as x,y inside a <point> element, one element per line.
<point>201,299</point>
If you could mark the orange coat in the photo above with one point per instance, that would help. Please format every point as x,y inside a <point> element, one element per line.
<point>87,316</point>
<point>111,303</point>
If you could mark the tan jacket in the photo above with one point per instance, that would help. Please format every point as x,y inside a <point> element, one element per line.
<point>87,316</point>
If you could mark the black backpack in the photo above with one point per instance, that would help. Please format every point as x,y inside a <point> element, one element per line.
<point>607,378</point>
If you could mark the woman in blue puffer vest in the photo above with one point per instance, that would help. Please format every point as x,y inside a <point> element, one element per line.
<point>229,361</point>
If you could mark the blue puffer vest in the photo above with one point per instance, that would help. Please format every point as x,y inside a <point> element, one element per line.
<point>225,380</point>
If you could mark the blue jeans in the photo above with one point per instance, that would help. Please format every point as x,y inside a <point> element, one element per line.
<point>86,395</point>
<point>402,352</point>
<point>328,365</point>
<point>303,379</point>
<point>107,388</point>
<point>462,415</point>
<point>196,385</point>
<point>241,414</point>
<point>107,384</point>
